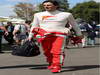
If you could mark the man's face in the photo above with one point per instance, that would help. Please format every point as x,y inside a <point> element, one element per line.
<point>49,6</point>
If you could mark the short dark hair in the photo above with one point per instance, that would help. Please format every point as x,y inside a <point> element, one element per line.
<point>28,22</point>
<point>53,2</point>
<point>10,23</point>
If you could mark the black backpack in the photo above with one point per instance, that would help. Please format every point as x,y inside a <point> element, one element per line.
<point>28,49</point>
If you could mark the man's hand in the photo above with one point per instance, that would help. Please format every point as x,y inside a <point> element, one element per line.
<point>36,29</point>
<point>29,38</point>
<point>6,33</point>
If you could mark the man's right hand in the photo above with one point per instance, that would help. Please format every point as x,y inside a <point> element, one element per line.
<point>29,38</point>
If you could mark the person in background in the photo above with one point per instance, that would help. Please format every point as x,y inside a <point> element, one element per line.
<point>84,33</point>
<point>51,24</point>
<point>3,31</point>
<point>19,33</point>
<point>91,34</point>
<point>10,28</point>
<point>28,26</point>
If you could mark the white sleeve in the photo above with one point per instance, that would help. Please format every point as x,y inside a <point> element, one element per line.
<point>31,34</point>
<point>35,24</point>
<point>16,27</point>
<point>74,25</point>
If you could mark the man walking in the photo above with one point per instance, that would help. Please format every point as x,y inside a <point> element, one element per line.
<point>53,21</point>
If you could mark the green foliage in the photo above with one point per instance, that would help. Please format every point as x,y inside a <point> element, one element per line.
<point>64,5</point>
<point>41,7</point>
<point>88,11</point>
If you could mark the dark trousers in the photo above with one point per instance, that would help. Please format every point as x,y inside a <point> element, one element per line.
<point>1,41</point>
<point>0,44</point>
<point>9,38</point>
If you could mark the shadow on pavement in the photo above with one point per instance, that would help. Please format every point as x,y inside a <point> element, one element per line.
<point>44,66</point>
<point>81,67</point>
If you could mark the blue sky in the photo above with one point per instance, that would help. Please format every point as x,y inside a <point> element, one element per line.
<point>6,6</point>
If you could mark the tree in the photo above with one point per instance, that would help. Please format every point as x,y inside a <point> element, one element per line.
<point>63,5</point>
<point>24,11</point>
<point>88,11</point>
<point>41,8</point>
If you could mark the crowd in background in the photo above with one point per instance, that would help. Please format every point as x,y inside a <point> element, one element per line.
<point>19,32</point>
<point>89,32</point>
<point>16,33</point>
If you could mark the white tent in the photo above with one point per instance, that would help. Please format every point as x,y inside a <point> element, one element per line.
<point>16,20</point>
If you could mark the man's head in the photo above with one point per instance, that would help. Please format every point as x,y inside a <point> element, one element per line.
<point>28,22</point>
<point>50,5</point>
<point>9,23</point>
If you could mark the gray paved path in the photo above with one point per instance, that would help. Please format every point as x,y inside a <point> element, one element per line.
<point>79,61</point>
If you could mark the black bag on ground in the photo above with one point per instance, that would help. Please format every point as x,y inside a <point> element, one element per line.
<point>28,49</point>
